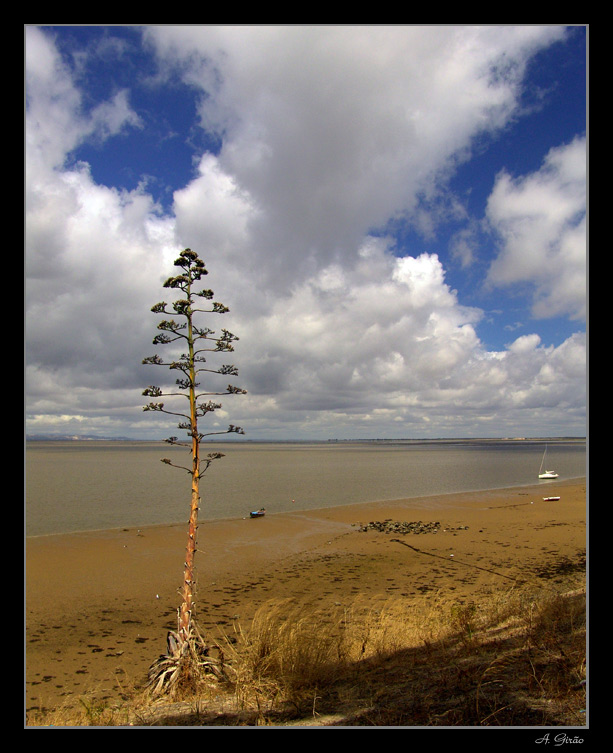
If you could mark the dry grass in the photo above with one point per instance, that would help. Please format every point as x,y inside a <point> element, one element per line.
<point>513,659</point>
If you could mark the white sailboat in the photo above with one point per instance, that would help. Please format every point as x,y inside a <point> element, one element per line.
<point>546,474</point>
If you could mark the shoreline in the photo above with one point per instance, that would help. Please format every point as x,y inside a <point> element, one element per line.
<point>400,500</point>
<point>99,603</point>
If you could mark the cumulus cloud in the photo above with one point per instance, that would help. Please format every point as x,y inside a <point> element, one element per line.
<point>93,253</point>
<point>541,221</point>
<point>56,118</point>
<point>335,130</point>
<point>329,136</point>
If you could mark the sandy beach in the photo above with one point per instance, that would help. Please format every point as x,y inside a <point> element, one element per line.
<point>99,604</point>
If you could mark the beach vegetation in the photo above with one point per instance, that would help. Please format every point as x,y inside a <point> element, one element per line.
<point>514,658</point>
<point>188,654</point>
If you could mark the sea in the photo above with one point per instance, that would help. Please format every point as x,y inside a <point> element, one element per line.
<point>76,486</point>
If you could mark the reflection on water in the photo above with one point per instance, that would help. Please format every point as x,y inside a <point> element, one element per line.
<point>77,486</point>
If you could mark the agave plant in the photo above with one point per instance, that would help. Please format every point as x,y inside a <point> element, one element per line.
<point>187,651</point>
<point>188,662</point>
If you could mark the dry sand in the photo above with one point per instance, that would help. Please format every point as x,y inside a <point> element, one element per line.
<point>99,604</point>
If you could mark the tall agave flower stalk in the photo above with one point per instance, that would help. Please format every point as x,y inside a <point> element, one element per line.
<point>190,364</point>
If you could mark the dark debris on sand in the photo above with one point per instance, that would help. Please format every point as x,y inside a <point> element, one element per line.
<point>404,527</point>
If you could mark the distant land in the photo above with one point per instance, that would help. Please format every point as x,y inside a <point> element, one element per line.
<point>407,440</point>
<point>79,438</point>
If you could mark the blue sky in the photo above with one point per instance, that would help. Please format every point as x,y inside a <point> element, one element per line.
<point>395,215</point>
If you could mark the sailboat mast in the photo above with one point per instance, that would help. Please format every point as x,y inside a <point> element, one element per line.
<point>543,460</point>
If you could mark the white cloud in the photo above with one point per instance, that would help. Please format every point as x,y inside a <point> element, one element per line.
<point>371,356</point>
<point>56,119</point>
<point>334,130</point>
<point>94,257</point>
<point>541,221</point>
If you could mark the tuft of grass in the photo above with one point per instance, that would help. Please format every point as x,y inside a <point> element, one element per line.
<point>285,655</point>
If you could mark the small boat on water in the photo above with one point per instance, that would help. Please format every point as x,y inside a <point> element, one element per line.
<point>551,499</point>
<point>258,513</point>
<point>546,474</point>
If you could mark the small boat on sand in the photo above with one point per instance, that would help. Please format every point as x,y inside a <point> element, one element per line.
<point>258,513</point>
<point>550,499</point>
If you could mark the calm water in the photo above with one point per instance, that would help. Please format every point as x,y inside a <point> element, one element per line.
<point>81,486</point>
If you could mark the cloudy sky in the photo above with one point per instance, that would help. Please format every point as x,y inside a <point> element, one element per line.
<point>395,216</point>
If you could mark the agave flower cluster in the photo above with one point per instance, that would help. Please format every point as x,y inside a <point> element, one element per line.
<point>191,363</point>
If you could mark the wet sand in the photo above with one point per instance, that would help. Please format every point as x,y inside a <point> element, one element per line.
<point>99,604</point>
